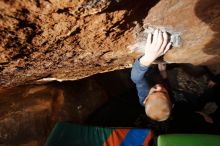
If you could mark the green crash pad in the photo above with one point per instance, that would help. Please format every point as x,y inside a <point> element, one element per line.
<point>188,140</point>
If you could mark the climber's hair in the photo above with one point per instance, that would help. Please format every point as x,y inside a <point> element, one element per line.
<point>158,106</point>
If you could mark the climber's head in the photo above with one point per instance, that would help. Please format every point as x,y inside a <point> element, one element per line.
<point>158,104</point>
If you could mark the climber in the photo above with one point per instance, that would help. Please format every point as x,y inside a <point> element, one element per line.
<point>155,98</point>
<point>153,88</point>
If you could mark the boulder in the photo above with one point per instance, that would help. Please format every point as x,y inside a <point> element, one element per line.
<point>70,40</point>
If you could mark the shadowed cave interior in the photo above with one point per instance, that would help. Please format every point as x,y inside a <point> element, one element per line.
<point>28,113</point>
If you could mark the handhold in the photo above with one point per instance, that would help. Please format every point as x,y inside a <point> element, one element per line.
<point>174,38</point>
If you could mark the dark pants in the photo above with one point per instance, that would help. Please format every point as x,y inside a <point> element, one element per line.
<point>185,119</point>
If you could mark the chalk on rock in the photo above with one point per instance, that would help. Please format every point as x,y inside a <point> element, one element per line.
<point>174,38</point>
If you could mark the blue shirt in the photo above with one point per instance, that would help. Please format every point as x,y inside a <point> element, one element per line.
<point>141,76</point>
<point>138,77</point>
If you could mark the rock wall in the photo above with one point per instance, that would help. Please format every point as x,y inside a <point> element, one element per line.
<point>69,40</point>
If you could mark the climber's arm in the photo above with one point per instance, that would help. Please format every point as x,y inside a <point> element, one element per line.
<point>154,48</point>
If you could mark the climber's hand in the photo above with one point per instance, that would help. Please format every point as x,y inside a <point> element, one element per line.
<point>162,69</point>
<point>211,84</point>
<point>155,47</point>
<point>206,117</point>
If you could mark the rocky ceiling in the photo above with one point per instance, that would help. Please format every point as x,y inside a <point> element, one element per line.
<point>73,39</point>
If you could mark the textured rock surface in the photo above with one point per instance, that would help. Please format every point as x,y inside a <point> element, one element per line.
<point>74,39</point>
<point>198,21</point>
